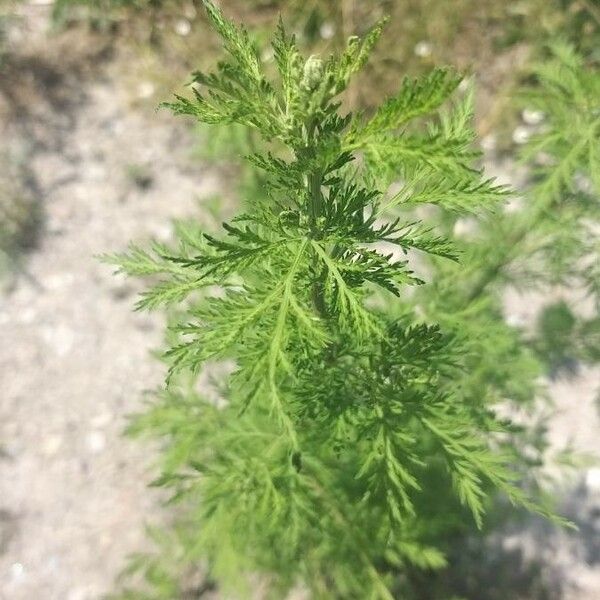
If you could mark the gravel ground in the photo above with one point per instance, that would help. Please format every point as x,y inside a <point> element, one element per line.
<point>74,359</point>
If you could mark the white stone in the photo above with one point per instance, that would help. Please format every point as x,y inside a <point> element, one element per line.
<point>466,83</point>
<point>521,135</point>
<point>464,226</point>
<point>513,205</point>
<point>267,54</point>
<point>516,320</point>
<point>532,117</point>
<point>17,571</point>
<point>96,442</point>
<point>146,89</point>
<point>583,184</point>
<point>423,49</point>
<point>163,232</point>
<point>327,30</point>
<point>592,480</point>
<point>489,142</point>
<point>51,445</point>
<point>183,27</point>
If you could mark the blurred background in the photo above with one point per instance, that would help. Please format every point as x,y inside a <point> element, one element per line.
<point>87,164</point>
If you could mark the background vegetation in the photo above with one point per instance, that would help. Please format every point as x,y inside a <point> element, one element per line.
<point>528,88</point>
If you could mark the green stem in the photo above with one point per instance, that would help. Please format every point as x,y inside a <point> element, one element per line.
<point>513,248</point>
<point>316,210</point>
<point>315,197</point>
<point>314,182</point>
<point>493,271</point>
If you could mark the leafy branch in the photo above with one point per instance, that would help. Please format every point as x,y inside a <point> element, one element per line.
<point>340,411</point>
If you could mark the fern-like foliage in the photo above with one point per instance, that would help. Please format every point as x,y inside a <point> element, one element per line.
<point>567,93</point>
<point>552,239</point>
<point>317,470</point>
<point>566,156</point>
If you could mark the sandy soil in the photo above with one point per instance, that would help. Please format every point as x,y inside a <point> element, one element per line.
<point>75,361</point>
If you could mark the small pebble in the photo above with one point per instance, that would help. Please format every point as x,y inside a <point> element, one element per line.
<point>583,184</point>
<point>464,226</point>
<point>465,84</point>
<point>183,27</point>
<point>146,89</point>
<point>96,442</point>
<point>489,142</point>
<point>592,480</point>
<point>17,571</point>
<point>267,54</point>
<point>51,445</point>
<point>513,205</point>
<point>327,31</point>
<point>516,320</point>
<point>521,135</point>
<point>532,117</point>
<point>163,232</point>
<point>423,49</point>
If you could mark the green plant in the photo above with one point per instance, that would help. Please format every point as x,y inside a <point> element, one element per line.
<point>565,157</point>
<point>550,239</point>
<point>352,435</point>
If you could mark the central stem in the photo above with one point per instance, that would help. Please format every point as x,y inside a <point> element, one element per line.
<point>315,211</point>
<point>315,203</point>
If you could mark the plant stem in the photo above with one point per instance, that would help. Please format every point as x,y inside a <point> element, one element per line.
<point>315,201</point>
<point>315,210</point>
<point>528,223</point>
